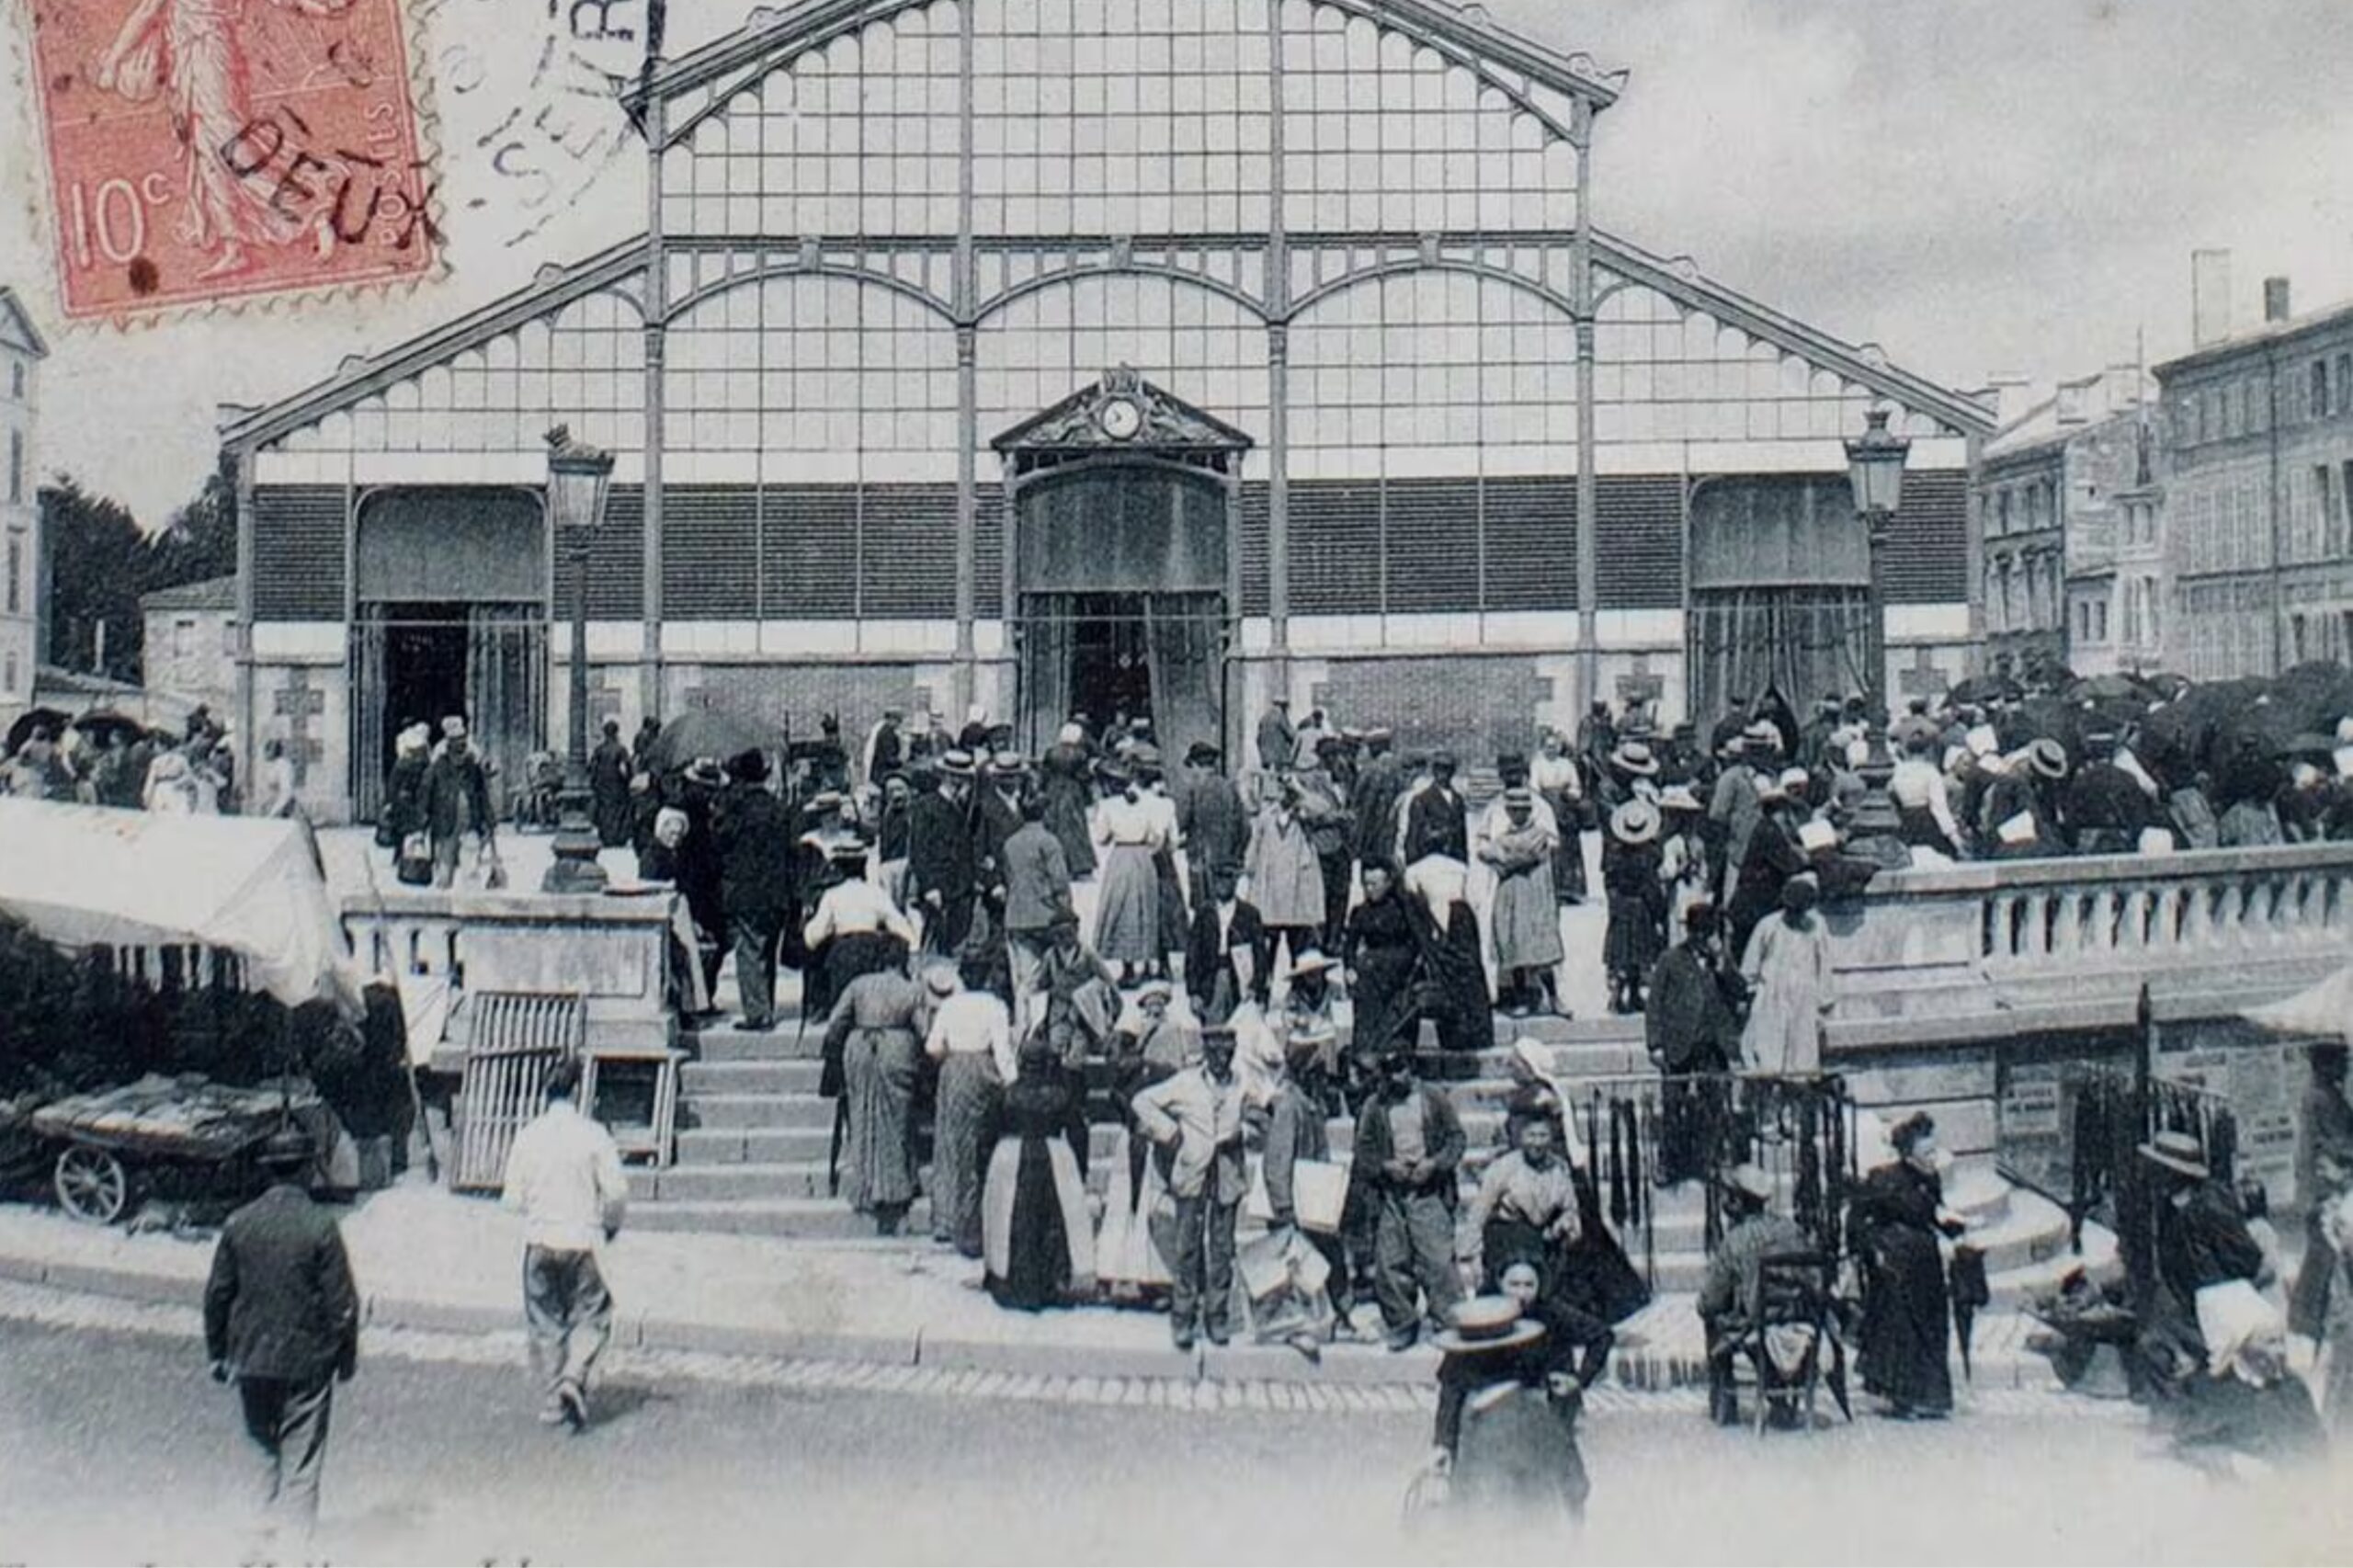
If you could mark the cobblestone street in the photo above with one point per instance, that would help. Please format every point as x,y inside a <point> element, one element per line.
<point>436,1457</point>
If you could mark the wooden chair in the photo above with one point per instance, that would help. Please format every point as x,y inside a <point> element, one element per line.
<point>1795,1305</point>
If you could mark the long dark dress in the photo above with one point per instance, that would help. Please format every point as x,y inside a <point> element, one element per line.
<point>874,1029</point>
<point>1063,780</point>
<point>1907,1311</point>
<point>1515,1453</point>
<point>608,791</point>
<point>1457,997</point>
<point>1381,948</point>
<point>1038,1240</point>
<point>1637,931</point>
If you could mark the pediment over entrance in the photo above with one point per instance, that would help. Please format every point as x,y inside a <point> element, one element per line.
<point>1120,412</point>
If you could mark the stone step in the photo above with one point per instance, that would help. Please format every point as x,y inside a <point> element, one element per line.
<point>1572,1060</point>
<point>702,1146</point>
<point>754,1111</point>
<point>689,1183</point>
<point>804,1218</point>
<point>786,1043</point>
<point>794,1077</point>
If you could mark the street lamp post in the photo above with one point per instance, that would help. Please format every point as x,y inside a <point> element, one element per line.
<point>578,477</point>
<point>1875,470</point>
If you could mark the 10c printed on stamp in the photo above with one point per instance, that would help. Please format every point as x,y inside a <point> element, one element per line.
<point>208,150</point>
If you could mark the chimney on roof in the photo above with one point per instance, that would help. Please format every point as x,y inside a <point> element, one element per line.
<point>2209,297</point>
<point>2012,397</point>
<point>2074,401</point>
<point>2121,383</point>
<point>2275,300</point>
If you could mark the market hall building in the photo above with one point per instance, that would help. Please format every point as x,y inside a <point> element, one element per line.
<point>1087,354</point>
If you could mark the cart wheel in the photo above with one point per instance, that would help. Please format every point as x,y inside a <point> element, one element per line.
<point>92,1185</point>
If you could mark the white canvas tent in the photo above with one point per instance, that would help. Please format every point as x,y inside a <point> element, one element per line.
<point>2326,1008</point>
<point>80,875</point>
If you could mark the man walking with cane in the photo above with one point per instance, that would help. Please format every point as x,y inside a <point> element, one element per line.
<point>282,1320</point>
<point>565,1174</point>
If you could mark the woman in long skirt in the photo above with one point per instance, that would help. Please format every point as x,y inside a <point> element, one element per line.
<point>1037,1236</point>
<point>1064,780</point>
<point>1524,921</point>
<point>1381,953</point>
<point>971,1039</point>
<point>1894,1220</point>
<point>1126,922</point>
<point>1636,936</point>
<point>872,1031</point>
<point>1553,775</point>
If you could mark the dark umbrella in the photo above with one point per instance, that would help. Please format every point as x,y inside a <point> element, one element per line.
<point>704,732</point>
<point>2106,688</point>
<point>99,723</point>
<point>47,718</point>
<point>2318,693</point>
<point>1986,689</point>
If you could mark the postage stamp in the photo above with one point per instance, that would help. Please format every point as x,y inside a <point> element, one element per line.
<point>210,150</point>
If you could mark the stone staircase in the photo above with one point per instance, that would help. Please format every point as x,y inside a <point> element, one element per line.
<point>754,1137</point>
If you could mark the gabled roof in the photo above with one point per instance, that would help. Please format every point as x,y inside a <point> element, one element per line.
<point>211,593</point>
<point>1462,28</point>
<point>13,309</point>
<point>1866,363</point>
<point>360,376</point>
<point>1164,421</point>
<point>555,287</point>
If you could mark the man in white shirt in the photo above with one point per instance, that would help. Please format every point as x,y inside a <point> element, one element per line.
<point>1195,1119</point>
<point>564,1175</point>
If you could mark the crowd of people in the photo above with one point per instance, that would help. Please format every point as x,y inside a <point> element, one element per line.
<point>191,772</point>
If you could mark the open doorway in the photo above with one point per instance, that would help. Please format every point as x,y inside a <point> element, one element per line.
<point>1158,656</point>
<point>1110,666</point>
<point>425,667</point>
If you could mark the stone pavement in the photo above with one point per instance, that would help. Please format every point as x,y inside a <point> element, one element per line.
<point>432,1261</point>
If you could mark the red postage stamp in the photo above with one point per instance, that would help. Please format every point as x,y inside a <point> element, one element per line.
<point>211,150</point>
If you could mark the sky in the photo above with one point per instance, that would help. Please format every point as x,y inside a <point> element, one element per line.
<point>1982,186</point>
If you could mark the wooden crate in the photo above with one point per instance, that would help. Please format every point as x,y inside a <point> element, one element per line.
<point>518,1039</point>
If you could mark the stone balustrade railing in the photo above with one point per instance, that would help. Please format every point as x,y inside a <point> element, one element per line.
<point>613,952</point>
<point>2067,943</point>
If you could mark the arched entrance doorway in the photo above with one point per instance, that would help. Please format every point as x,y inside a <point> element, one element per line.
<point>1124,506</point>
<point>1781,593</point>
<point>451,618</point>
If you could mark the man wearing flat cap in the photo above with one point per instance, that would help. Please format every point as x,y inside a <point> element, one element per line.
<point>281,1320</point>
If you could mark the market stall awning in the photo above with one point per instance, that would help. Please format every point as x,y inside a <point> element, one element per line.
<point>2324,1009</point>
<point>80,875</point>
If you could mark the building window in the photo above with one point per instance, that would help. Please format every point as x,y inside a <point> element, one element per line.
<point>15,465</point>
<point>17,380</point>
<point>15,573</point>
<point>2234,409</point>
<point>229,638</point>
<point>182,637</point>
<point>2099,620</point>
<point>2344,381</point>
<point>2318,403</point>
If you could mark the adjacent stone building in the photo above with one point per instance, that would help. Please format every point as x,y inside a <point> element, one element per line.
<point>1088,354</point>
<point>23,584</point>
<point>190,648</point>
<point>2258,463</point>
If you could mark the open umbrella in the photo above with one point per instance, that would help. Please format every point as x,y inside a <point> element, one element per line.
<point>705,731</point>
<point>49,718</point>
<point>99,723</point>
<point>1986,689</point>
<point>2107,688</point>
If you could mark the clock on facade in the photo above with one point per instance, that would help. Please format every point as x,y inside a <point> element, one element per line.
<point>1119,418</point>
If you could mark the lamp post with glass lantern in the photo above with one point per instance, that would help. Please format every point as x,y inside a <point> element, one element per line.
<point>578,478</point>
<point>1875,470</point>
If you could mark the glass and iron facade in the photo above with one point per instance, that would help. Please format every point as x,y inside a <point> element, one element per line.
<point>1468,462</point>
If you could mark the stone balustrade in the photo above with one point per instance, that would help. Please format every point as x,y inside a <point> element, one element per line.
<point>612,950</point>
<point>2063,944</point>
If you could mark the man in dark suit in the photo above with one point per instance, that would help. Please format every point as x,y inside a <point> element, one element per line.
<point>756,883</point>
<point>282,1320</point>
<point>1210,818</point>
<point>1277,742</point>
<point>1690,1030</point>
<point>457,801</point>
<point>1435,819</point>
<point>1227,955</point>
<point>942,876</point>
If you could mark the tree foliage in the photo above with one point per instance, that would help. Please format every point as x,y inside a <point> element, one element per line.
<point>101,560</point>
